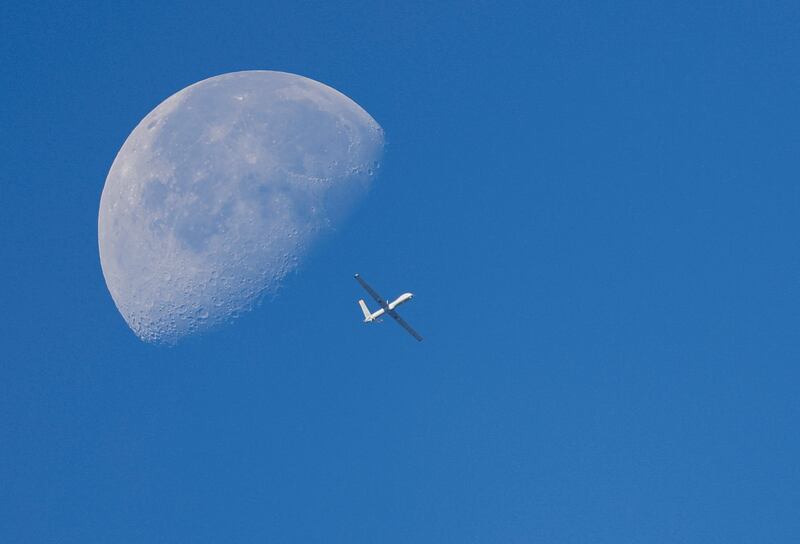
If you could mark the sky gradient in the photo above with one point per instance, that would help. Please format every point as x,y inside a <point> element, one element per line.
<point>595,206</point>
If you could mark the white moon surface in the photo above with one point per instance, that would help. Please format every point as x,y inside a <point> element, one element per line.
<point>219,191</point>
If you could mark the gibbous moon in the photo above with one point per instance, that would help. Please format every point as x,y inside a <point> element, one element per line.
<point>219,191</point>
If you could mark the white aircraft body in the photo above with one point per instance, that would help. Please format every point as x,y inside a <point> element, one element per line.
<point>387,308</point>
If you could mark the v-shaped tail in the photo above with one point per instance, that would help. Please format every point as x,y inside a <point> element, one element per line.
<point>367,313</point>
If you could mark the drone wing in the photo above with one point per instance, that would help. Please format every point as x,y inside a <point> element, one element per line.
<point>372,293</point>
<point>405,325</point>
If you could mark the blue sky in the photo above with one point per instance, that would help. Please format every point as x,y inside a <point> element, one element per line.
<point>596,207</point>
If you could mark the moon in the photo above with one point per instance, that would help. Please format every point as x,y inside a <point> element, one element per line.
<point>220,191</point>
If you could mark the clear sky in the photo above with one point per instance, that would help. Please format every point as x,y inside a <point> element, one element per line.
<point>594,203</point>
